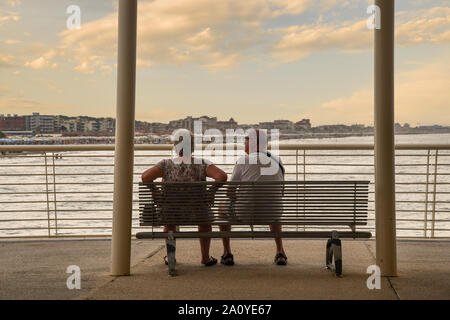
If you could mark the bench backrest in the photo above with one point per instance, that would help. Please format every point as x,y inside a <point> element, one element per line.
<point>254,203</point>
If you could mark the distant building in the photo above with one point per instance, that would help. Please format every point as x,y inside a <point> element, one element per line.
<point>207,123</point>
<point>142,126</point>
<point>303,125</point>
<point>283,125</point>
<point>12,123</point>
<point>69,125</point>
<point>158,127</point>
<point>107,125</point>
<point>40,123</point>
<point>266,125</point>
<point>224,125</point>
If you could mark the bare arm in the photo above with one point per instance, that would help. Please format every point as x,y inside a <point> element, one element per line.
<point>217,174</point>
<point>152,174</point>
<point>149,176</point>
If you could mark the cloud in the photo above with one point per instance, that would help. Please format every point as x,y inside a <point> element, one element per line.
<point>427,26</point>
<point>21,53</point>
<point>9,17</point>
<point>41,63</point>
<point>12,42</point>
<point>330,4</point>
<point>5,14</point>
<point>7,61</point>
<point>222,61</point>
<point>219,35</point>
<point>422,95</point>
<point>21,105</point>
<point>13,3</point>
<point>214,34</point>
<point>423,26</point>
<point>300,41</point>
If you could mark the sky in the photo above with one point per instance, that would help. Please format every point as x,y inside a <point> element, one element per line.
<point>253,60</point>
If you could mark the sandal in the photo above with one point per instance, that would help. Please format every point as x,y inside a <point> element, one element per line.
<point>212,261</point>
<point>279,262</point>
<point>227,259</point>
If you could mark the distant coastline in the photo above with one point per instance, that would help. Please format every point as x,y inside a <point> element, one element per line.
<point>57,139</point>
<point>59,129</point>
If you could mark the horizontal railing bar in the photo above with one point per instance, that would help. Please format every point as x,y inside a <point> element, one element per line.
<point>138,219</point>
<point>136,183</point>
<point>287,173</point>
<point>309,155</point>
<point>61,210</point>
<point>139,174</point>
<point>61,219</point>
<point>312,155</point>
<point>58,228</point>
<point>169,147</point>
<point>136,209</point>
<point>220,164</point>
<point>415,210</point>
<point>60,183</point>
<point>109,228</point>
<point>137,192</point>
<point>60,235</point>
<point>59,192</point>
<point>108,236</point>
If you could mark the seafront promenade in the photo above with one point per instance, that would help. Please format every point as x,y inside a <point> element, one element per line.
<point>36,269</point>
<point>47,200</point>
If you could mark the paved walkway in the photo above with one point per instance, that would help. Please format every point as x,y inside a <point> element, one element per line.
<point>37,270</point>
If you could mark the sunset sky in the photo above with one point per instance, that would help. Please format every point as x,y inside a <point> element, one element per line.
<point>253,60</point>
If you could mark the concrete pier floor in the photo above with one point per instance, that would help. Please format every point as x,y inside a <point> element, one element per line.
<point>36,269</point>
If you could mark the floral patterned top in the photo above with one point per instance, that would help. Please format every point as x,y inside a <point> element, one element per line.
<point>184,169</point>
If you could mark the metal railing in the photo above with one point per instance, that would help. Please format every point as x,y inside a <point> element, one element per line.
<point>67,191</point>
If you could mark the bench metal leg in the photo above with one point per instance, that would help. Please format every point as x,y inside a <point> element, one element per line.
<point>334,248</point>
<point>329,255</point>
<point>171,246</point>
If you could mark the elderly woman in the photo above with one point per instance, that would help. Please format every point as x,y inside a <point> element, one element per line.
<point>186,168</point>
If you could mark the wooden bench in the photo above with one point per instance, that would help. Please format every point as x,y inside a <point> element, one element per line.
<point>334,208</point>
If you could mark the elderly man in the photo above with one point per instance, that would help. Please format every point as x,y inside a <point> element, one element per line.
<point>257,165</point>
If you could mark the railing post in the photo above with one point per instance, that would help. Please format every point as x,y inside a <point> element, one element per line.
<point>386,250</point>
<point>433,215</point>
<point>54,196</point>
<point>425,218</point>
<point>46,192</point>
<point>304,164</point>
<point>304,187</point>
<point>354,207</point>
<point>296,178</point>
<point>124,148</point>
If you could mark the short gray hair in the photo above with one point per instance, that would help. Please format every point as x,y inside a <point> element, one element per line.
<point>183,139</point>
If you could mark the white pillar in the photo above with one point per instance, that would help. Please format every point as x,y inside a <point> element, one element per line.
<point>124,148</point>
<point>386,249</point>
